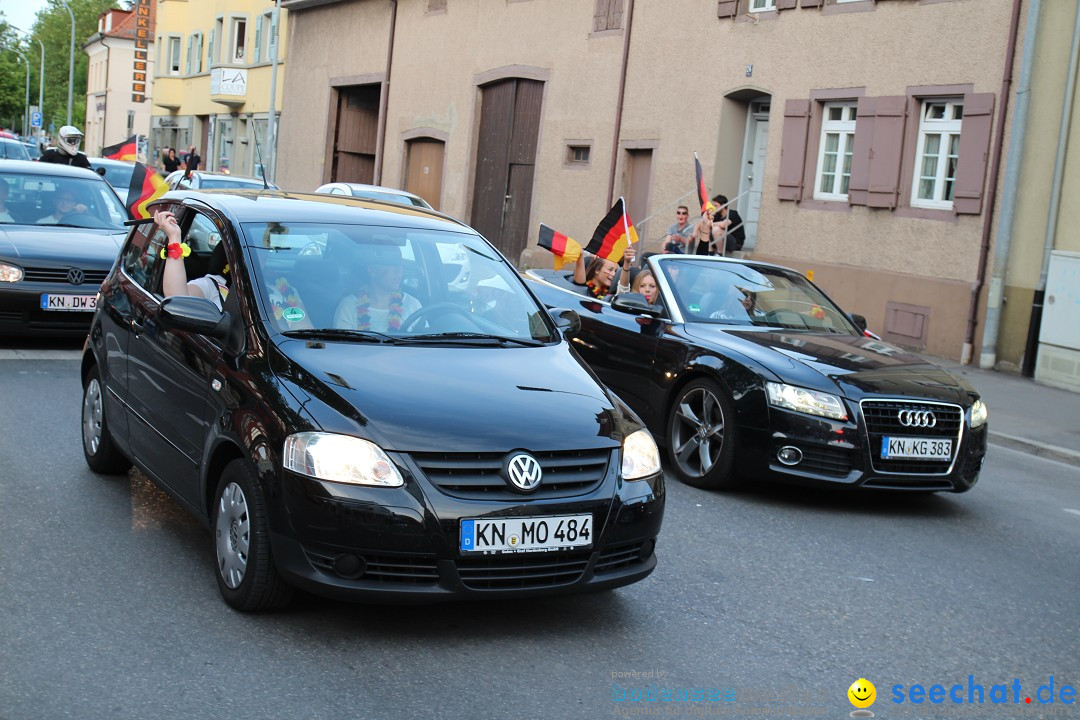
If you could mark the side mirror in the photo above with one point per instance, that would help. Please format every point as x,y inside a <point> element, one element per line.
<point>859,320</point>
<point>100,171</point>
<point>194,314</point>
<point>634,304</point>
<point>568,321</point>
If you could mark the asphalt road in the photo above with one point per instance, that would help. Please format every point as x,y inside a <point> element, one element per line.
<point>777,598</point>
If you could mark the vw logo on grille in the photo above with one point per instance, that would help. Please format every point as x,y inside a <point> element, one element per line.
<point>916,418</point>
<point>524,472</point>
<point>76,276</point>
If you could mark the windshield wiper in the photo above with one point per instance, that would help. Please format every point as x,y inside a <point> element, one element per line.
<point>341,334</point>
<point>454,336</point>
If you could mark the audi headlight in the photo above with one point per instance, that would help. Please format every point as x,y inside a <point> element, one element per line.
<point>10,273</point>
<point>979,413</point>
<point>640,457</point>
<point>340,458</point>
<point>806,401</point>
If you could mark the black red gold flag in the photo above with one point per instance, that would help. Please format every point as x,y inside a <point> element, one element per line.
<point>565,249</point>
<point>126,150</point>
<point>614,233</point>
<point>702,195</point>
<point>146,186</point>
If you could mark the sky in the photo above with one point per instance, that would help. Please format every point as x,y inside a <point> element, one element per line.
<point>21,13</point>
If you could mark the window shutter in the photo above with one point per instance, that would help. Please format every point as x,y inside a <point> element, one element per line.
<point>793,149</point>
<point>810,3</point>
<point>726,8</point>
<point>258,40</point>
<point>600,16</point>
<point>615,10</point>
<point>210,49</point>
<point>786,4</point>
<point>187,61</point>
<point>886,150</point>
<point>974,150</point>
<point>859,185</point>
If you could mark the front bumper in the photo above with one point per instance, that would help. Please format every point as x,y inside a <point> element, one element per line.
<point>847,454</point>
<point>21,313</point>
<point>401,544</point>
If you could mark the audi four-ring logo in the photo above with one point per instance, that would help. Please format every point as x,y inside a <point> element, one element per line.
<point>75,276</point>
<point>524,472</point>
<point>916,418</point>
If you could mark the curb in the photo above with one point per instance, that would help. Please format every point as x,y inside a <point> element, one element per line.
<point>1033,447</point>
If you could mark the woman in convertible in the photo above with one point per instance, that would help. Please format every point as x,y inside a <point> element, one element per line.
<point>598,277</point>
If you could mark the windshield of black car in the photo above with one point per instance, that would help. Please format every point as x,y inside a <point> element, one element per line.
<point>41,199</point>
<point>407,283</point>
<point>737,294</point>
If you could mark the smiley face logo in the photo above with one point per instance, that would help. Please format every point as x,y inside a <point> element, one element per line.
<point>862,693</point>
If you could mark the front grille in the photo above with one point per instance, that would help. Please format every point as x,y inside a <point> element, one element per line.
<point>521,570</point>
<point>396,569</point>
<point>618,557</point>
<point>881,419</point>
<point>93,278</point>
<point>478,476</point>
<point>825,461</point>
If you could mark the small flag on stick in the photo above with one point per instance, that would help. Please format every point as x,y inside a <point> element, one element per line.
<point>565,249</point>
<point>702,195</point>
<point>126,150</point>
<point>146,186</point>
<point>614,233</point>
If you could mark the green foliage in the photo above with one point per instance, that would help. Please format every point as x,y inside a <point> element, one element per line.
<point>53,29</point>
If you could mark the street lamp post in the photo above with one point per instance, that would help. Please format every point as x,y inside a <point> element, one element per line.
<point>41,78</point>
<point>26,106</point>
<point>71,61</point>
<point>271,123</point>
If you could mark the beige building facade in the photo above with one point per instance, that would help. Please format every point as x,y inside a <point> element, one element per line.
<point>212,81</point>
<point>857,137</point>
<point>119,77</point>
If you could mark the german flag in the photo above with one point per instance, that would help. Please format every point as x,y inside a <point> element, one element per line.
<point>613,234</point>
<point>146,186</point>
<point>565,249</point>
<point>702,195</point>
<point>126,150</point>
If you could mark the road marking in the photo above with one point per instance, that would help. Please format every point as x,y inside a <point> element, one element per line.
<point>1070,510</point>
<point>40,354</point>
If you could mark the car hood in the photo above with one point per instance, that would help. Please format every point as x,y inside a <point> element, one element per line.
<point>856,366</point>
<point>465,399</point>
<point>72,246</point>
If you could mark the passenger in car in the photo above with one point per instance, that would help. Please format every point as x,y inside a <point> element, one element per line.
<point>645,284</point>
<point>380,304</point>
<point>598,277</point>
<point>214,286</point>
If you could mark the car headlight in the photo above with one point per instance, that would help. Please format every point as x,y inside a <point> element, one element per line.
<point>979,413</point>
<point>640,457</point>
<point>340,458</point>
<point>806,401</point>
<point>10,273</point>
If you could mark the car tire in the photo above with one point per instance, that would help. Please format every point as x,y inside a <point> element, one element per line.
<point>246,575</point>
<point>701,436</point>
<point>100,451</point>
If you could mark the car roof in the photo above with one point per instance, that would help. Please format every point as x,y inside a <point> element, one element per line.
<point>109,161</point>
<point>376,188</point>
<point>34,167</point>
<point>280,206</point>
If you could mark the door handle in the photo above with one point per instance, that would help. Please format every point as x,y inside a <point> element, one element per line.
<point>136,327</point>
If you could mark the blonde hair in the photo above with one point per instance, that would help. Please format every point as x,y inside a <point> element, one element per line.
<point>645,272</point>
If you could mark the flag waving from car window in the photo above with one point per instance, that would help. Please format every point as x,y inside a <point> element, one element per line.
<point>565,249</point>
<point>126,150</point>
<point>146,186</point>
<point>702,196</point>
<point>614,233</point>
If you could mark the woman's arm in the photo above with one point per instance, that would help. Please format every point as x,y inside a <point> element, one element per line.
<point>579,270</point>
<point>174,281</point>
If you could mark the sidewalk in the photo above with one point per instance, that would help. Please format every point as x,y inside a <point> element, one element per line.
<point>1025,415</point>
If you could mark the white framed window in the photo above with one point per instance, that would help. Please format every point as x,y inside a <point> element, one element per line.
<point>237,39</point>
<point>761,5</point>
<point>174,54</point>
<point>936,153</point>
<point>834,153</point>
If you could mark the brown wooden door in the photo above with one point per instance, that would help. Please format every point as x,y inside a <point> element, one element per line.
<point>424,171</point>
<point>355,134</point>
<point>637,176</point>
<point>505,162</point>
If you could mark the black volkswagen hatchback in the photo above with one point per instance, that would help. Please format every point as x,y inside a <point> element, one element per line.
<point>448,445</point>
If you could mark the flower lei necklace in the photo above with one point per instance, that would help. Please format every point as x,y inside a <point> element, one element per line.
<point>393,316</point>
<point>596,291</point>
<point>288,295</point>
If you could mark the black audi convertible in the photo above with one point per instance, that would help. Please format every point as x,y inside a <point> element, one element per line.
<point>748,371</point>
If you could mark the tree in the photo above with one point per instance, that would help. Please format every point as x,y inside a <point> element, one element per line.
<point>12,78</point>
<point>53,28</point>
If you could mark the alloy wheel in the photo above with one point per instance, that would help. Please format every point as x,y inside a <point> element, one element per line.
<point>697,432</point>
<point>91,416</point>
<point>233,531</point>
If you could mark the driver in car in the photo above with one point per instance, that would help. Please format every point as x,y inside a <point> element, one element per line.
<point>64,206</point>
<point>379,304</point>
